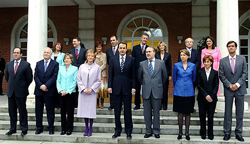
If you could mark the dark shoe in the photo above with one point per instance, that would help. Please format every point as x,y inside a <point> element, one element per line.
<point>63,133</point>
<point>226,137</point>
<point>129,136</point>
<point>164,107</point>
<point>188,137</point>
<point>39,132</point>
<point>239,138</point>
<point>86,132</point>
<point>211,137</point>
<point>194,110</point>
<point>147,135</point>
<point>116,135</point>
<point>51,132</point>
<point>10,132</point>
<point>110,108</point>
<point>69,133</point>
<point>23,133</point>
<point>179,136</point>
<point>203,137</point>
<point>136,107</point>
<point>157,136</point>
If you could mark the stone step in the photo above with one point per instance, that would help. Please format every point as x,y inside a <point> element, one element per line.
<point>78,137</point>
<point>137,128</point>
<point>105,111</point>
<point>164,120</point>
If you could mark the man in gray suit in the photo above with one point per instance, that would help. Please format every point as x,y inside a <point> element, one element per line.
<point>233,75</point>
<point>152,74</point>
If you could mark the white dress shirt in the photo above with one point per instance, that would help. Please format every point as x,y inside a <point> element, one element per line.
<point>190,50</point>
<point>208,72</point>
<point>18,62</point>
<point>153,63</point>
<point>47,62</point>
<point>238,85</point>
<point>120,58</point>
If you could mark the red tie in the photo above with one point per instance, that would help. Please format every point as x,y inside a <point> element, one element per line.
<point>77,54</point>
<point>16,67</point>
<point>142,49</point>
<point>114,51</point>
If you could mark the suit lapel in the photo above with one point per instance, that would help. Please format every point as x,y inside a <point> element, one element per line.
<point>49,66</point>
<point>12,67</point>
<point>81,53</point>
<point>228,64</point>
<point>165,57</point>
<point>147,67</point>
<point>237,63</point>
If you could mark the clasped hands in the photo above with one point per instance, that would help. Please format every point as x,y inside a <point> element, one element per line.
<point>208,98</point>
<point>63,93</point>
<point>43,88</point>
<point>87,91</point>
<point>233,87</point>
<point>132,91</point>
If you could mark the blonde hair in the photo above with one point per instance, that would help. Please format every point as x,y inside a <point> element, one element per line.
<point>186,52</point>
<point>161,42</point>
<point>90,51</point>
<point>70,56</point>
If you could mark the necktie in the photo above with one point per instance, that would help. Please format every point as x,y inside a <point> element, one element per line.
<point>114,50</point>
<point>151,70</point>
<point>45,66</point>
<point>77,54</point>
<point>16,66</point>
<point>232,64</point>
<point>142,49</point>
<point>122,64</point>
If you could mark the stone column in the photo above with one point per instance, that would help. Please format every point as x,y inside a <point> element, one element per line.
<point>227,29</point>
<point>37,36</point>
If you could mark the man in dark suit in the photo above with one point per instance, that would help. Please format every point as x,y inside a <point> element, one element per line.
<point>233,75</point>
<point>19,76</point>
<point>152,74</point>
<point>121,83</point>
<point>2,67</point>
<point>45,77</point>
<point>79,56</point>
<point>111,52</point>
<point>78,52</point>
<point>195,57</point>
<point>139,53</point>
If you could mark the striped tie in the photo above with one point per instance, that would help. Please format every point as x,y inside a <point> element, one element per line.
<point>122,64</point>
<point>151,70</point>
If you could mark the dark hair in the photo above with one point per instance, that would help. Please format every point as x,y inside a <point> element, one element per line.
<point>114,36</point>
<point>78,39</point>
<point>232,42</point>
<point>98,43</point>
<point>70,56</point>
<point>145,35</point>
<point>152,48</point>
<point>186,52</point>
<point>122,43</point>
<point>56,43</point>
<point>213,45</point>
<point>208,57</point>
<point>21,51</point>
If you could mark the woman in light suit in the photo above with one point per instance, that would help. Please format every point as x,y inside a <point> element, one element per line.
<point>207,83</point>
<point>66,86</point>
<point>184,74</point>
<point>57,55</point>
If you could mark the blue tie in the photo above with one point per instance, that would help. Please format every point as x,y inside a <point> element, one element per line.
<point>122,64</point>
<point>45,66</point>
<point>151,70</point>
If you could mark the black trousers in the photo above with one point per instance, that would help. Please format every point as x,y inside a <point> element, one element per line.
<point>138,93</point>
<point>126,100</point>
<point>48,101</point>
<point>164,101</point>
<point>206,108</point>
<point>20,103</point>
<point>67,111</point>
<point>1,83</point>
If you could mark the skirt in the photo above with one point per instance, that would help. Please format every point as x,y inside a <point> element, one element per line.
<point>183,104</point>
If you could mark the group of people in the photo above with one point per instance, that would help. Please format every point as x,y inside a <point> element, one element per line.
<point>79,78</point>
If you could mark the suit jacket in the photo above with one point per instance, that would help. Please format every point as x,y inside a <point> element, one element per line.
<point>2,65</point>
<point>47,78</point>
<point>139,57</point>
<point>19,82</point>
<point>155,83</point>
<point>195,58</point>
<point>184,79</point>
<point>121,81</point>
<point>167,60</point>
<point>109,54</point>
<point>67,80</point>
<point>207,87</point>
<point>59,58</point>
<point>227,77</point>
<point>81,57</point>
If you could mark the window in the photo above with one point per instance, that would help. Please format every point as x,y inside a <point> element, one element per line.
<point>136,26</point>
